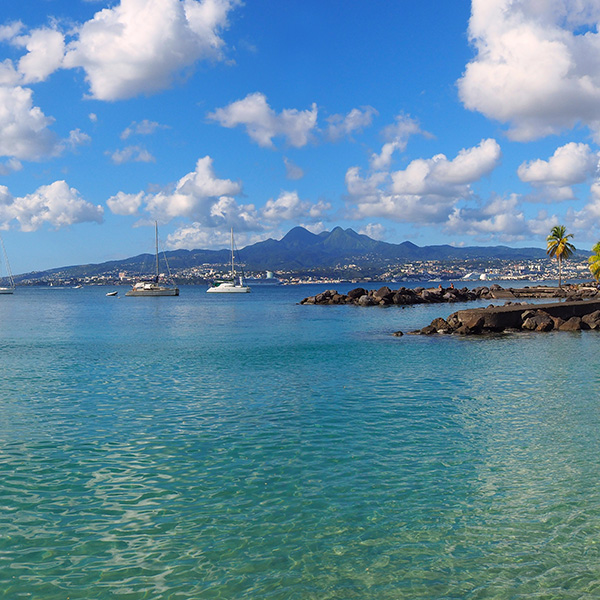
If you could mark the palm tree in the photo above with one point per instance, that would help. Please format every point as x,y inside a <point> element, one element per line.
<point>594,261</point>
<point>559,247</point>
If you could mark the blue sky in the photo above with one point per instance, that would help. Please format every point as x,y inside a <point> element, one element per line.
<point>470,123</point>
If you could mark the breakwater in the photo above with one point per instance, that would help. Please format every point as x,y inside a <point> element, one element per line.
<point>385,296</point>
<point>557,316</point>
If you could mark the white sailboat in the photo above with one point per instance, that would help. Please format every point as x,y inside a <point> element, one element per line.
<point>153,287</point>
<point>7,284</point>
<point>230,286</point>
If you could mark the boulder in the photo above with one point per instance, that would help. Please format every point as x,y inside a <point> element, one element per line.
<point>540,321</point>
<point>383,292</point>
<point>592,320</point>
<point>429,330</point>
<point>573,324</point>
<point>356,293</point>
<point>365,300</point>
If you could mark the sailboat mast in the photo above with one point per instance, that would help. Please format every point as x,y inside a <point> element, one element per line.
<point>156,239</point>
<point>232,268</point>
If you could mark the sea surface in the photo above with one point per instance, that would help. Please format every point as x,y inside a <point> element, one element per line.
<point>248,447</point>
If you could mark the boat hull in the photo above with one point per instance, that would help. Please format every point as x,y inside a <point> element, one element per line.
<point>228,289</point>
<point>154,292</point>
<point>7,290</point>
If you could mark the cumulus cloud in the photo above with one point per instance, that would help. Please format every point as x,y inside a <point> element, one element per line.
<point>441,176</point>
<point>499,218</point>
<point>426,191</point>
<point>375,231</point>
<point>125,204</point>
<point>396,138</point>
<point>200,196</point>
<point>263,124</point>
<point>356,120</point>
<point>196,235</point>
<point>24,129</point>
<point>142,46</point>
<point>588,218</point>
<point>56,204</point>
<point>131,154</point>
<point>570,164</point>
<point>45,53</point>
<point>535,66</point>
<point>289,207</point>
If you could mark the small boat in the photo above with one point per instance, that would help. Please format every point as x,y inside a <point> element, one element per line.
<point>112,293</point>
<point>77,287</point>
<point>153,287</point>
<point>7,283</point>
<point>233,285</point>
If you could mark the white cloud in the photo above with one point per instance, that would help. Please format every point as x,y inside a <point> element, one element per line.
<point>196,235</point>
<point>588,218</point>
<point>262,123</point>
<point>444,177</point>
<point>56,204</point>
<point>375,231</point>
<point>502,219</point>
<point>289,207</point>
<point>570,164</point>
<point>131,154</point>
<point>292,171</point>
<point>77,138</point>
<point>144,127</point>
<point>142,46</point>
<point>536,66</point>
<point>426,191</point>
<point>24,132</point>
<point>125,204</point>
<point>45,53</point>
<point>396,138</point>
<point>356,120</point>
<point>8,74</point>
<point>10,166</point>
<point>199,196</point>
<point>93,117</point>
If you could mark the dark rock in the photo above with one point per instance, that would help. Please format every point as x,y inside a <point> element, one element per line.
<point>429,330</point>
<point>398,333</point>
<point>540,321</point>
<point>592,320</point>
<point>365,301</point>
<point>382,292</point>
<point>440,324</point>
<point>356,293</point>
<point>474,324</point>
<point>572,324</point>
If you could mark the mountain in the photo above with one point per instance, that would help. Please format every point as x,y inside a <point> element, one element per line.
<point>300,250</point>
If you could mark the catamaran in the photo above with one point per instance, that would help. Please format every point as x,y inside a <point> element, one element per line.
<point>233,285</point>
<point>7,283</point>
<point>154,287</point>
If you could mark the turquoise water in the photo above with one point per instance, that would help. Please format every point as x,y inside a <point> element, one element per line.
<point>249,447</point>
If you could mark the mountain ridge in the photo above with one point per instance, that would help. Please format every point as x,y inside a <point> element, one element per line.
<point>301,249</point>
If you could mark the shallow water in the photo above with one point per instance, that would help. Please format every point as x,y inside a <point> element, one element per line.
<point>250,447</point>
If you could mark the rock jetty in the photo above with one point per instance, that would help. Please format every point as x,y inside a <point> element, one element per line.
<point>384,296</point>
<point>557,316</point>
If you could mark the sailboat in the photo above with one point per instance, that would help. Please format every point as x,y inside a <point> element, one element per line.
<point>7,284</point>
<point>153,287</point>
<point>229,286</point>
